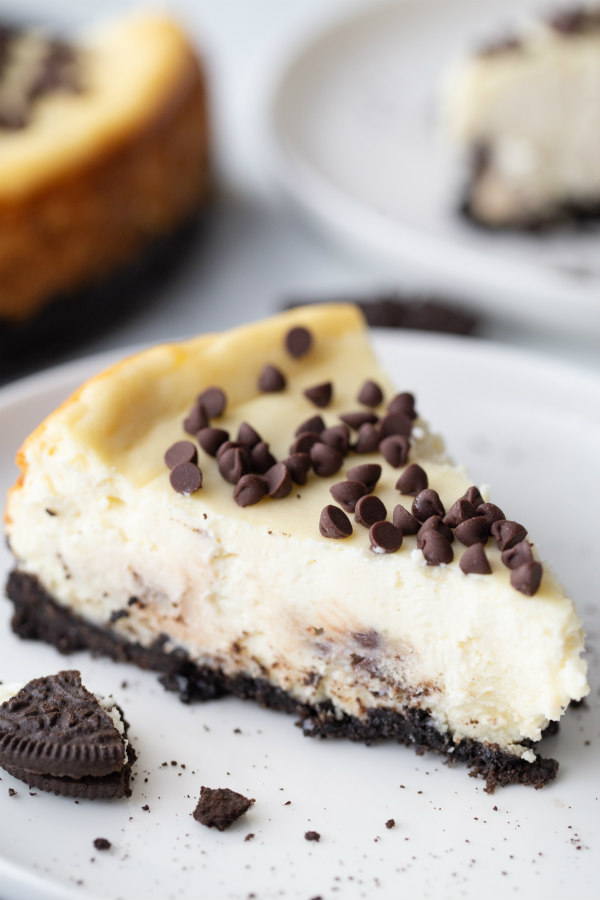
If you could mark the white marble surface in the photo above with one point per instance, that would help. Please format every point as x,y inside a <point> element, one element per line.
<point>257,251</point>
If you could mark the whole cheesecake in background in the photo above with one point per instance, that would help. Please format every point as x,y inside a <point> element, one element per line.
<point>103,168</point>
<point>259,512</point>
<point>527,111</point>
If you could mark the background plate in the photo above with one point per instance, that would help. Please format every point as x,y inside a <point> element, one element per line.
<point>529,427</point>
<point>358,144</point>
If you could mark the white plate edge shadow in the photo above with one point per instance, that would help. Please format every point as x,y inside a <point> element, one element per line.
<point>378,235</point>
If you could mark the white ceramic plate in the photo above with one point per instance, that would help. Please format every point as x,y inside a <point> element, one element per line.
<point>529,427</point>
<point>358,144</point>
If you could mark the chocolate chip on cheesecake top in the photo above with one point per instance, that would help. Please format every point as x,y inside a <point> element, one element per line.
<point>318,449</point>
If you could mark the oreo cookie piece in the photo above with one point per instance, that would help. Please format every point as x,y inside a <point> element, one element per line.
<point>220,807</point>
<point>57,736</point>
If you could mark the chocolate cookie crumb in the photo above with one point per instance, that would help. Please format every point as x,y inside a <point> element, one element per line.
<point>220,807</point>
<point>12,792</point>
<point>312,836</point>
<point>102,844</point>
<point>391,823</point>
<point>250,836</point>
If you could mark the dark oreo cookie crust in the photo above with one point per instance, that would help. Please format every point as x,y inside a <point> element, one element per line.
<point>70,319</point>
<point>38,617</point>
<point>568,216</point>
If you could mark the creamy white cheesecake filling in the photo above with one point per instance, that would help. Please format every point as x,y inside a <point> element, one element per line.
<point>535,109</point>
<point>258,590</point>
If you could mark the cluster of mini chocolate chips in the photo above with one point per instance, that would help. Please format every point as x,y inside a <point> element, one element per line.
<point>470,521</point>
<point>248,464</point>
<point>247,461</point>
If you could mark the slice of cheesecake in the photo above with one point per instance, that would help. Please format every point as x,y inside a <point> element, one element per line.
<point>527,110</point>
<point>260,512</point>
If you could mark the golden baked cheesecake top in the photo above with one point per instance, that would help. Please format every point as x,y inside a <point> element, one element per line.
<point>62,103</point>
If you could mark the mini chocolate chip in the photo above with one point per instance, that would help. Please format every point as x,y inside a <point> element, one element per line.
<point>279,481</point>
<point>196,419</point>
<point>368,473</point>
<point>370,394</point>
<point>315,423</point>
<point>214,401</point>
<point>248,435</point>
<point>395,423</point>
<point>299,465</point>
<point>369,509</point>
<point>356,419</point>
<point>325,460</point>
<point>261,457</point>
<point>227,445</point>
<point>434,523</point>
<point>298,341</point>
<point>210,439</point>
<point>234,463</point>
<point>459,512</point>
<point>368,439</point>
<point>180,452</point>
<point>473,495</point>
<point>492,512</point>
<point>305,441</point>
<point>474,561</point>
<point>320,394</point>
<point>394,449</point>
<point>508,533</point>
<point>436,549</point>
<point>427,503</point>
<point>271,380</point>
<point>403,403</point>
<point>334,523</point>
<point>404,520</point>
<point>472,531</point>
<point>186,478</point>
<point>385,537</point>
<point>516,555</point>
<point>413,480</point>
<point>249,490</point>
<point>346,493</point>
<point>527,578</point>
<point>337,437</point>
